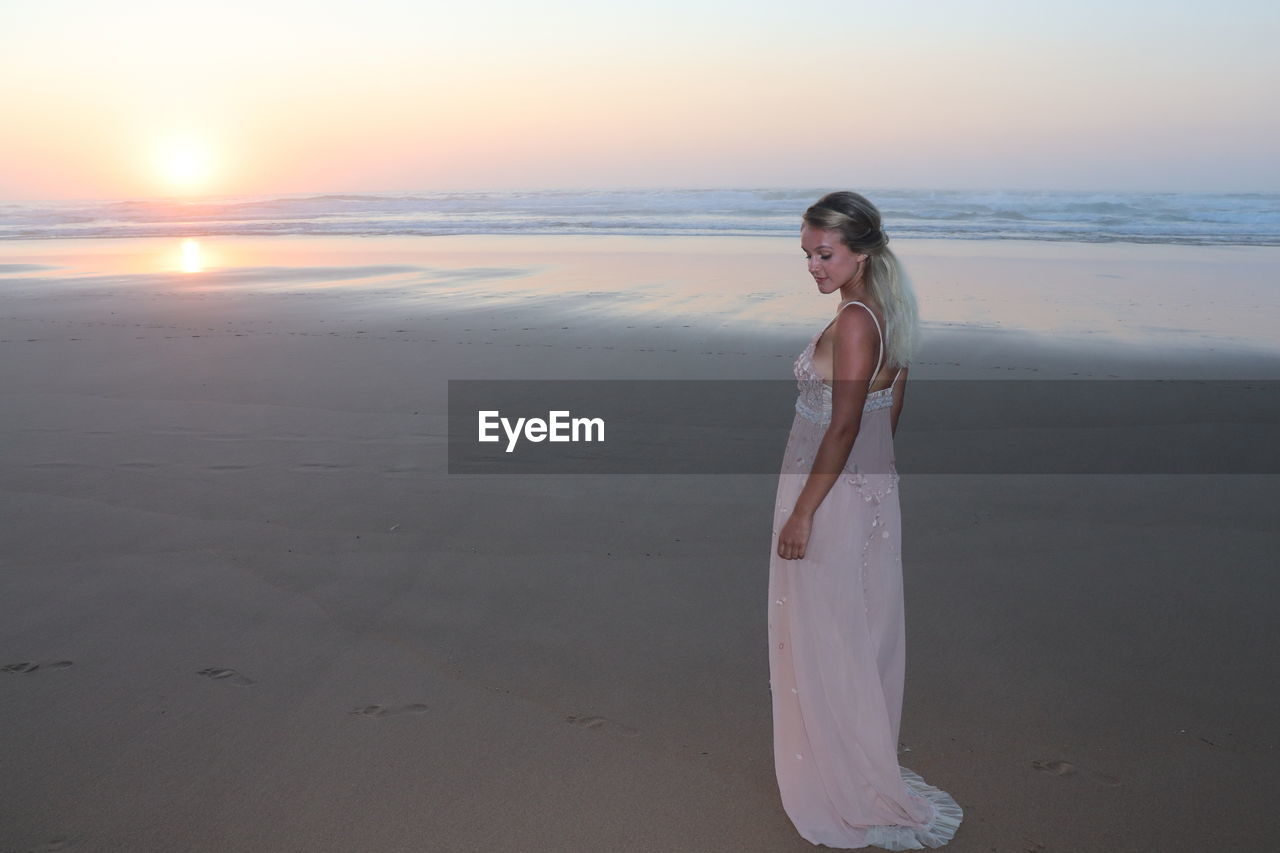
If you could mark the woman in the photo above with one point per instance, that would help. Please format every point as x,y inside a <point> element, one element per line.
<point>836,633</point>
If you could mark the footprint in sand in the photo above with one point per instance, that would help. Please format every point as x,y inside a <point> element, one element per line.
<point>604,724</point>
<point>51,846</point>
<point>31,666</point>
<point>1066,768</point>
<point>384,711</point>
<point>1055,768</point>
<point>229,675</point>
<point>309,467</point>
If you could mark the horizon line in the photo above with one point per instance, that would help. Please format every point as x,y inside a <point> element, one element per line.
<point>317,194</point>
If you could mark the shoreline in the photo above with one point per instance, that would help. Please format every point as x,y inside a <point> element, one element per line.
<point>1268,243</point>
<point>1145,303</point>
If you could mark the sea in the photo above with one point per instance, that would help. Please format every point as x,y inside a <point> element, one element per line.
<point>1238,218</point>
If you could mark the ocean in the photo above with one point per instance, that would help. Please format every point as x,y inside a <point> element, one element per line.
<point>1091,217</point>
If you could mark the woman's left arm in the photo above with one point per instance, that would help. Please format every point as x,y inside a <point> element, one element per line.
<point>899,397</point>
<point>854,359</point>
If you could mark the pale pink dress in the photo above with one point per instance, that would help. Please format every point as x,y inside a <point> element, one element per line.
<point>836,643</point>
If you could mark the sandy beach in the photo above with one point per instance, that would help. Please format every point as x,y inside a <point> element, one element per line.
<point>244,606</point>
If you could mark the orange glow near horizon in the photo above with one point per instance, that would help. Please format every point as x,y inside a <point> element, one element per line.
<point>287,96</point>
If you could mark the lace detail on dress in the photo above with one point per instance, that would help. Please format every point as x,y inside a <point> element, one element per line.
<point>813,400</point>
<point>881,399</point>
<point>874,487</point>
<point>947,816</point>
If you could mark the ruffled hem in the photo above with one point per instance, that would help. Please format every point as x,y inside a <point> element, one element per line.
<point>947,815</point>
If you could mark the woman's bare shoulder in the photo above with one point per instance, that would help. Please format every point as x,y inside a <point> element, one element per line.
<point>857,323</point>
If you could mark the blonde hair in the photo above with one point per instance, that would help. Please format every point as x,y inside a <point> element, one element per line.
<point>858,223</point>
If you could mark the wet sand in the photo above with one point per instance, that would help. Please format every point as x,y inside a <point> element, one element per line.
<point>243,605</point>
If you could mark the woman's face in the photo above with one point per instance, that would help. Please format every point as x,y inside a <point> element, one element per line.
<point>831,263</point>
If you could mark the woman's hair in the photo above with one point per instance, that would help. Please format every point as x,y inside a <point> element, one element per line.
<point>858,223</point>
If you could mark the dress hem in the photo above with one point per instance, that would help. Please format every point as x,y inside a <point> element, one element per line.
<point>947,816</point>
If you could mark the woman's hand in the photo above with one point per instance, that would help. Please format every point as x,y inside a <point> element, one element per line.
<point>794,538</point>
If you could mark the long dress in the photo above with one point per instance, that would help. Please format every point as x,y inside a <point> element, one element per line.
<point>836,642</point>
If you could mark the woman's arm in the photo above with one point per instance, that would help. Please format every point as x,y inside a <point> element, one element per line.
<point>899,395</point>
<point>854,359</point>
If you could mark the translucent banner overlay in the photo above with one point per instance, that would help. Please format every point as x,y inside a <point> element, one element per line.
<point>946,427</point>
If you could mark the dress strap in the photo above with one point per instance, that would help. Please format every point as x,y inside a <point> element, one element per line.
<point>879,357</point>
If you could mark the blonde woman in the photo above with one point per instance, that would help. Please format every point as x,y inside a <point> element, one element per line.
<point>836,623</point>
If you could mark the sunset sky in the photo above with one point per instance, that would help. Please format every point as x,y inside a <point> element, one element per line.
<point>135,100</point>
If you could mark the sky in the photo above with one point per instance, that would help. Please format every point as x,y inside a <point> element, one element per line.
<point>186,99</point>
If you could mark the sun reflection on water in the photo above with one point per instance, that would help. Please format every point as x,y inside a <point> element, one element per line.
<point>191,261</point>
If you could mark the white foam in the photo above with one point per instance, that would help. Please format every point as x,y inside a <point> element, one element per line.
<point>1197,218</point>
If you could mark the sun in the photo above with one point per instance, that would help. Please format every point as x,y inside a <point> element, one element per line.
<point>185,166</point>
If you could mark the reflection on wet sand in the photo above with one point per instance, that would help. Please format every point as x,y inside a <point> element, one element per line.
<point>1206,297</point>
